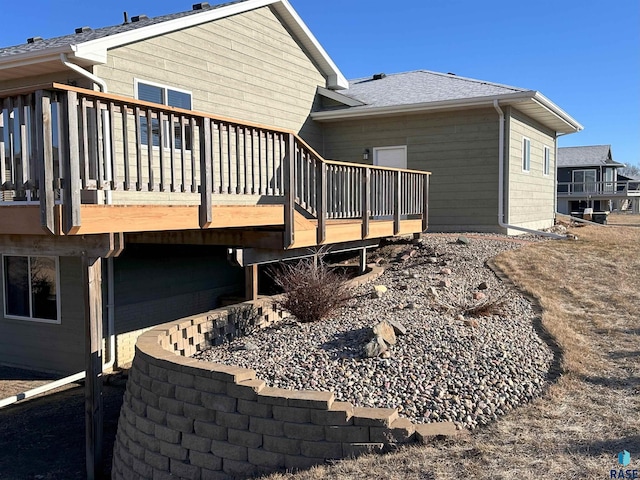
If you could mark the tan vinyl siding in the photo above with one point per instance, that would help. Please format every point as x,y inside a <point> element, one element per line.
<point>459,148</point>
<point>246,66</point>
<point>56,348</point>
<point>531,194</point>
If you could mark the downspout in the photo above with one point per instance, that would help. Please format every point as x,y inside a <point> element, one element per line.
<point>108,200</point>
<point>501,222</point>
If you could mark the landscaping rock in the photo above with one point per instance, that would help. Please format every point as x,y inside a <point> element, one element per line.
<point>398,328</point>
<point>483,286</point>
<point>432,260</point>
<point>379,291</point>
<point>375,347</point>
<point>478,295</point>
<point>463,240</point>
<point>445,271</point>
<point>385,331</point>
<point>445,283</point>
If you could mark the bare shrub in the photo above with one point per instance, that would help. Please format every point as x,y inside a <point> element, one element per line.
<point>312,290</point>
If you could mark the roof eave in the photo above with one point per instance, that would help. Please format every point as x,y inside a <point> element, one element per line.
<point>30,58</point>
<point>571,122</point>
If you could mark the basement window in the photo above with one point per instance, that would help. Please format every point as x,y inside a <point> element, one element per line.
<point>526,154</point>
<point>156,93</point>
<point>31,288</point>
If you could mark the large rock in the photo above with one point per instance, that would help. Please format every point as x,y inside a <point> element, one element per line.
<point>386,332</point>
<point>463,240</point>
<point>375,347</point>
<point>379,291</point>
<point>398,328</point>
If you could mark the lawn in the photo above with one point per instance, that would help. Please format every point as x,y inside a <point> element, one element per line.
<point>589,291</point>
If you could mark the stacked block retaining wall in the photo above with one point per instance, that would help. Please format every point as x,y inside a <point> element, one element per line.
<point>189,419</point>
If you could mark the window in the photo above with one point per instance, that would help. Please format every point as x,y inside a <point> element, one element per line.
<point>546,167</point>
<point>31,288</point>
<point>150,92</point>
<point>526,154</point>
<point>584,181</point>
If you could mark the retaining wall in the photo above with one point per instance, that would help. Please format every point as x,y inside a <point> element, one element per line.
<point>188,419</point>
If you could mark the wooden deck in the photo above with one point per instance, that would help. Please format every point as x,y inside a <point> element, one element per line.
<point>78,162</point>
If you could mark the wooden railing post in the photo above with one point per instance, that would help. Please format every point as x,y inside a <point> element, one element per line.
<point>397,201</point>
<point>289,173</point>
<point>206,183</point>
<point>71,162</point>
<point>321,200</point>
<point>425,202</point>
<point>366,201</point>
<point>45,153</point>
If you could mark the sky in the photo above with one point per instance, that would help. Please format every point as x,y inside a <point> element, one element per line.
<point>584,55</point>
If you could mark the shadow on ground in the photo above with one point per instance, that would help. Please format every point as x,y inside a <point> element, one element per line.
<point>44,438</point>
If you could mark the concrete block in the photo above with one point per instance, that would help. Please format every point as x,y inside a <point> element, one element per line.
<point>244,438</point>
<point>162,475</point>
<point>340,413</point>
<point>310,399</point>
<point>180,378</point>
<point>156,415</point>
<point>148,442</point>
<point>227,451</point>
<point>321,449</point>
<point>282,445</point>
<point>219,403</point>
<point>246,390</point>
<point>196,443</point>
<point>210,430</point>
<point>180,423</point>
<point>291,414</point>
<point>210,385</point>
<point>400,431</point>
<point>228,373</point>
<point>263,458</point>
<point>348,434</point>
<point>142,469</point>
<point>298,462</point>
<point>163,389</point>
<point>144,381</point>
<point>197,412</point>
<point>136,450</point>
<point>207,474</point>
<point>254,409</point>
<point>145,425</point>
<point>134,389</point>
<point>374,417</point>
<point>171,450</point>
<point>149,398</point>
<point>239,469</point>
<point>188,395</point>
<point>167,434</point>
<point>205,460</point>
<point>304,431</point>
<point>138,406</point>
<point>156,460</point>
<point>233,420</point>
<point>266,426</point>
<point>184,471</point>
<point>274,396</point>
<point>169,405</point>
<point>157,373</point>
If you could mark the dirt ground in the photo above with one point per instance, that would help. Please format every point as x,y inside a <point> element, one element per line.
<point>43,438</point>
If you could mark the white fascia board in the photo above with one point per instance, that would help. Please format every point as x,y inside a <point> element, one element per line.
<point>420,107</point>
<point>557,111</point>
<point>338,97</point>
<point>335,79</point>
<point>30,58</point>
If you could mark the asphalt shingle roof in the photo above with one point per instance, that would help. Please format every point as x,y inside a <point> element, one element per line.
<point>588,156</point>
<point>420,86</point>
<point>76,38</point>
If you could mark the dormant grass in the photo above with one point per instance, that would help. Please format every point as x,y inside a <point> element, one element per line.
<point>589,291</point>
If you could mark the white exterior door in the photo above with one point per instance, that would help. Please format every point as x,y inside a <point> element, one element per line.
<point>395,157</point>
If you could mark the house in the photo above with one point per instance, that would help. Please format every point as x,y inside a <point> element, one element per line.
<point>491,148</point>
<point>148,168</point>
<point>588,177</point>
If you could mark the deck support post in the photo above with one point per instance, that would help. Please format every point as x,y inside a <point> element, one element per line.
<point>251,282</point>
<point>93,405</point>
<point>44,149</point>
<point>288,166</point>
<point>70,143</point>
<point>366,201</point>
<point>397,192</point>
<point>425,203</point>
<point>206,182</point>
<point>363,260</point>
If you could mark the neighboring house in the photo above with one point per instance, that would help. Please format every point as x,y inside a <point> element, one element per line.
<point>491,147</point>
<point>242,99</point>
<point>142,201</point>
<point>588,177</point>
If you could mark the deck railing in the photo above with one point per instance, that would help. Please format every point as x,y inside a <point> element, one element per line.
<point>599,188</point>
<point>59,142</point>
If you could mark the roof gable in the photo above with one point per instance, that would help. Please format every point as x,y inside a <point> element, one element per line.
<point>586,156</point>
<point>90,47</point>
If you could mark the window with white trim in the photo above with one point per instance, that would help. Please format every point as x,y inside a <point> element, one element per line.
<point>526,154</point>
<point>546,165</point>
<point>31,288</point>
<point>156,93</point>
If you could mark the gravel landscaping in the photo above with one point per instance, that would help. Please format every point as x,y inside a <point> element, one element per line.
<point>467,369</point>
